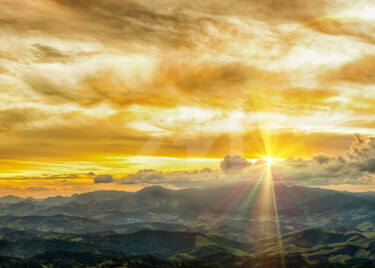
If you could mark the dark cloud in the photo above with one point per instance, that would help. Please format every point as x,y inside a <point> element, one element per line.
<point>359,29</point>
<point>321,158</point>
<point>361,71</point>
<point>210,81</point>
<point>317,171</point>
<point>367,165</point>
<point>3,69</point>
<point>211,78</point>
<point>359,149</point>
<point>37,189</point>
<point>144,176</point>
<point>267,10</point>
<point>49,54</point>
<point>45,86</point>
<point>16,117</point>
<point>176,178</point>
<point>206,77</point>
<point>297,162</point>
<point>59,177</point>
<point>103,179</point>
<point>362,154</point>
<point>112,22</point>
<point>358,168</point>
<point>233,164</point>
<point>180,24</point>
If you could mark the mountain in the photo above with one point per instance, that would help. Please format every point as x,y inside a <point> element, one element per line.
<point>86,198</point>
<point>13,199</point>
<point>155,226</point>
<point>57,223</point>
<point>232,209</point>
<point>317,245</point>
<point>54,201</point>
<point>339,202</point>
<point>309,248</point>
<point>25,207</point>
<point>70,208</point>
<point>160,226</point>
<point>158,243</point>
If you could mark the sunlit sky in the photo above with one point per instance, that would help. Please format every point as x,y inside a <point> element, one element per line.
<point>114,87</point>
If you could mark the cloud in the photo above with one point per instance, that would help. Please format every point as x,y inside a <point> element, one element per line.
<point>196,178</point>
<point>112,22</point>
<point>233,164</point>
<point>103,179</point>
<point>170,82</point>
<point>49,54</point>
<point>3,69</point>
<point>321,158</point>
<point>360,71</point>
<point>112,75</point>
<point>269,10</point>
<point>36,189</point>
<point>49,177</point>
<point>207,77</point>
<point>358,167</point>
<point>359,29</point>
<point>320,170</point>
<point>19,117</point>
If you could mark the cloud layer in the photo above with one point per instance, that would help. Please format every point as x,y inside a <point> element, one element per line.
<point>95,81</point>
<point>103,179</point>
<point>357,167</point>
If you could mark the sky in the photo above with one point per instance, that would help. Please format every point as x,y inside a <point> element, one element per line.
<point>123,94</point>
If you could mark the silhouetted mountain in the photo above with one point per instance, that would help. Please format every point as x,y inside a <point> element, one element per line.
<point>54,201</point>
<point>25,207</point>
<point>160,226</point>
<point>99,196</point>
<point>13,199</point>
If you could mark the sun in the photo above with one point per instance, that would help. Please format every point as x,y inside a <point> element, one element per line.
<point>269,160</point>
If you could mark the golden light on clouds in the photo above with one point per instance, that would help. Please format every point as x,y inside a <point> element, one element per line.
<point>113,87</point>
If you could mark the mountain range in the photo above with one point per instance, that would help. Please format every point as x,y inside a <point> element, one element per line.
<point>209,227</point>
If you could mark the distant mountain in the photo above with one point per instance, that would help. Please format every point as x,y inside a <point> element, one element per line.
<point>13,199</point>
<point>228,226</point>
<point>370,196</point>
<point>54,201</point>
<point>71,208</point>
<point>25,207</point>
<point>338,201</point>
<point>159,226</point>
<point>57,223</point>
<point>99,196</point>
<point>233,210</point>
